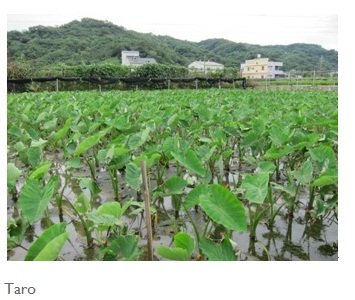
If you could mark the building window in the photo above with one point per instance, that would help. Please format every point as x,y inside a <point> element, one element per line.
<point>262,68</point>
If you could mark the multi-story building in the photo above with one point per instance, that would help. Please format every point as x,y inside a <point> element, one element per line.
<point>132,58</point>
<point>261,68</point>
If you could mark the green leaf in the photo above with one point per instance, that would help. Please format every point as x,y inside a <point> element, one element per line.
<point>256,187</point>
<point>174,186</point>
<point>90,184</point>
<point>277,153</point>
<point>218,252</point>
<point>125,248</point>
<point>178,254</point>
<point>185,241</point>
<point>42,170</point>
<point>266,167</point>
<point>190,161</point>
<point>82,204</point>
<point>138,139</point>
<point>193,197</point>
<point>133,176</point>
<point>223,207</point>
<point>12,174</point>
<point>40,143</point>
<point>49,244</point>
<point>305,173</point>
<point>34,199</point>
<point>324,180</point>
<point>110,208</point>
<point>86,144</point>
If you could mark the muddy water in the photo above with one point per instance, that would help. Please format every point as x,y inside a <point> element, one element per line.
<point>300,238</point>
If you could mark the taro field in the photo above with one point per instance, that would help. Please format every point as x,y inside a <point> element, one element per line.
<point>230,175</point>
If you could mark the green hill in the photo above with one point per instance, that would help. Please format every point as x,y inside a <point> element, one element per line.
<point>91,41</point>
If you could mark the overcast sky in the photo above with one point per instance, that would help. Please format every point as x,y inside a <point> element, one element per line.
<point>270,24</point>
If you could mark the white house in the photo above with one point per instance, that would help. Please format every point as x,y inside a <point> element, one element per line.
<point>132,58</point>
<point>262,68</point>
<point>205,66</point>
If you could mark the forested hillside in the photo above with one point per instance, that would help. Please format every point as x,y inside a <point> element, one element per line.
<point>91,41</point>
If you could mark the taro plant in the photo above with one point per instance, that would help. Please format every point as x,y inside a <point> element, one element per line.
<point>49,244</point>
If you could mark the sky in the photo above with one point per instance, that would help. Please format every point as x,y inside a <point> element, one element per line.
<point>196,21</point>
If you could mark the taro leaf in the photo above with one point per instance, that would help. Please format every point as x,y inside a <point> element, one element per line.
<point>277,153</point>
<point>171,144</point>
<point>12,174</point>
<point>34,198</point>
<point>179,254</point>
<point>125,247</point>
<point>204,152</point>
<point>256,187</point>
<point>42,170</point>
<point>174,186</point>
<point>218,252</point>
<point>138,139</point>
<point>40,143</point>
<point>193,198</point>
<point>110,208</point>
<point>105,155</point>
<point>86,144</point>
<point>73,163</point>
<point>266,167</point>
<point>90,142</point>
<point>133,176</point>
<point>185,241</point>
<point>190,161</point>
<point>330,177</point>
<point>120,123</point>
<point>290,189</point>
<point>16,229</point>
<point>49,244</point>
<point>324,157</point>
<point>223,207</point>
<point>61,133</point>
<point>90,184</point>
<point>51,124</point>
<point>305,173</point>
<point>34,156</point>
<point>82,204</point>
<point>279,135</point>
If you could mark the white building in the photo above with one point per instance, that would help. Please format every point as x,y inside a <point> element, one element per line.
<point>262,68</point>
<point>205,66</point>
<point>132,58</point>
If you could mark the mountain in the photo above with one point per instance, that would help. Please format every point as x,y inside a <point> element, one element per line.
<point>90,41</point>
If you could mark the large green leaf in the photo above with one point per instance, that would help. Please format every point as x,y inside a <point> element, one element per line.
<point>41,170</point>
<point>124,248</point>
<point>49,244</point>
<point>256,187</point>
<point>193,197</point>
<point>185,241</point>
<point>305,173</point>
<point>133,176</point>
<point>218,251</point>
<point>179,254</point>
<point>174,186</point>
<point>190,161</point>
<point>34,199</point>
<point>90,142</point>
<point>223,207</point>
<point>110,208</point>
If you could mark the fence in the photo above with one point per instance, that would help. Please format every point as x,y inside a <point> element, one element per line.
<point>122,83</point>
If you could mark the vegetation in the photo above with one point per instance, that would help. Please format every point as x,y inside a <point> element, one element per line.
<point>235,158</point>
<point>40,50</point>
